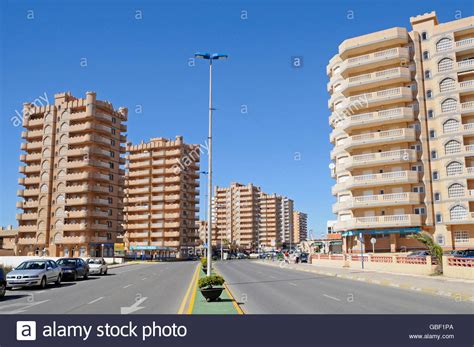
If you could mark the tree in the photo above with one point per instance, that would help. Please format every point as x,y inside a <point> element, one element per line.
<point>435,250</point>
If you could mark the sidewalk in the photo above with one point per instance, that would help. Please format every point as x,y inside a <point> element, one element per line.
<point>458,289</point>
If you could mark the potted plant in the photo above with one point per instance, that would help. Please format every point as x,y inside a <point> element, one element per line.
<point>204,264</point>
<point>211,287</point>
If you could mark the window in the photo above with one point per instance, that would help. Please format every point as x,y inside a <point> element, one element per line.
<point>447,84</point>
<point>445,64</point>
<point>458,212</point>
<point>111,177</point>
<point>416,147</point>
<point>430,114</point>
<point>109,224</point>
<point>112,130</point>
<point>429,94</point>
<point>418,168</point>
<point>426,55</point>
<point>424,36</point>
<point>112,142</point>
<point>437,196</point>
<point>110,201</point>
<point>432,134</point>
<point>454,168</point>
<point>455,190</point>
<point>451,125</point>
<point>440,239</point>
<point>418,189</point>
<point>434,154</point>
<point>419,210</point>
<point>111,165</point>
<point>111,189</point>
<point>112,154</point>
<point>461,236</point>
<point>110,212</point>
<point>439,218</point>
<point>452,147</point>
<point>435,175</point>
<point>444,44</point>
<point>427,74</point>
<point>114,120</point>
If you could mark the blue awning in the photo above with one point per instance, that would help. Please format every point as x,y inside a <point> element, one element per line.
<point>401,231</point>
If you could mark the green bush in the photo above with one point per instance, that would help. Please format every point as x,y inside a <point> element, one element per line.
<point>209,282</point>
<point>204,261</point>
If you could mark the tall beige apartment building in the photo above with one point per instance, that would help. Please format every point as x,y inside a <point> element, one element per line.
<point>73,181</point>
<point>270,225</point>
<point>402,106</point>
<point>162,197</point>
<point>286,213</point>
<point>300,226</point>
<point>236,215</point>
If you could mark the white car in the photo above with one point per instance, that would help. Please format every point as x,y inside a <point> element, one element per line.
<point>97,266</point>
<point>32,273</point>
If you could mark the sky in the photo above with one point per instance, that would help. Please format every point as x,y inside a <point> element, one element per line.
<point>271,120</point>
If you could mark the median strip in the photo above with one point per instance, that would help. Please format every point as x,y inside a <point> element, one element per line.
<point>188,291</point>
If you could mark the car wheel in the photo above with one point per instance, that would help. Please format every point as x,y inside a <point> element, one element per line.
<point>43,283</point>
<point>74,276</point>
<point>58,281</point>
<point>86,275</point>
<point>100,272</point>
<point>3,289</point>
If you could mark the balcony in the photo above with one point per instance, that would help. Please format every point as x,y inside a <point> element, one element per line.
<point>76,214</point>
<point>171,243</point>
<point>72,240</point>
<point>135,208</point>
<point>366,201</point>
<point>468,218</point>
<point>379,98</point>
<point>133,217</point>
<point>375,79</point>
<point>373,159</point>
<point>27,241</point>
<point>28,192</point>
<point>98,226</point>
<point>27,204</point>
<point>467,107</point>
<point>74,226</point>
<point>466,44</point>
<point>27,228</point>
<point>29,180</point>
<point>404,220</point>
<point>465,65</point>
<point>466,86</point>
<point>76,201</point>
<point>144,190</point>
<point>138,235</point>
<point>30,157</point>
<point>26,216</point>
<point>139,164</point>
<point>138,173</point>
<point>380,179</point>
<point>135,226</point>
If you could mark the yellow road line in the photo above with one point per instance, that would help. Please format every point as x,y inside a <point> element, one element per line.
<point>193,296</point>
<point>191,284</point>
<point>234,302</point>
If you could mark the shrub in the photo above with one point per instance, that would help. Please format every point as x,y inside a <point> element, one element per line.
<point>209,282</point>
<point>204,261</point>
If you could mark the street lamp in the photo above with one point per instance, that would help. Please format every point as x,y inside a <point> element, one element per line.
<point>210,57</point>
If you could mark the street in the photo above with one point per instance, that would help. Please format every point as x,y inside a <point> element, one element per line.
<point>143,288</point>
<point>261,288</point>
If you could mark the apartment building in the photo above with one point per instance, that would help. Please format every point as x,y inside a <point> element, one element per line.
<point>162,197</point>
<point>270,225</point>
<point>202,231</point>
<point>402,113</point>
<point>300,226</point>
<point>286,220</point>
<point>236,215</point>
<point>73,182</point>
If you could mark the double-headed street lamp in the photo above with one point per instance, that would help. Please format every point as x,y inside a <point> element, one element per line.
<point>210,57</point>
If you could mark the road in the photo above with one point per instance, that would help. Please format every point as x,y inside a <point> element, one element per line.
<point>137,289</point>
<point>266,289</point>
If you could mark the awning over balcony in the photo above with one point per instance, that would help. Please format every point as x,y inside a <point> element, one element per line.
<point>401,231</point>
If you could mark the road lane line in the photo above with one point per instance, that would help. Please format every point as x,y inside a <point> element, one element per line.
<point>95,300</point>
<point>331,297</point>
<point>193,295</point>
<point>144,278</point>
<point>186,295</point>
<point>293,284</point>
<point>128,285</point>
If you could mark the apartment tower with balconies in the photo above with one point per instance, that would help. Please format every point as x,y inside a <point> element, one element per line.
<point>300,226</point>
<point>286,220</point>
<point>402,113</point>
<point>270,222</point>
<point>73,180</point>
<point>162,197</point>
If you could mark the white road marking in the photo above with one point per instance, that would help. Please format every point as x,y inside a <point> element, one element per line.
<point>25,306</point>
<point>144,278</point>
<point>331,297</point>
<point>272,276</point>
<point>128,285</point>
<point>293,284</point>
<point>93,301</point>
<point>134,307</point>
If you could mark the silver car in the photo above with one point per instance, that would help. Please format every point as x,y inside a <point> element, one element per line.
<point>34,273</point>
<point>97,266</point>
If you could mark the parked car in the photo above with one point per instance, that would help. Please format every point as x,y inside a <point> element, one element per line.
<point>35,273</point>
<point>97,266</point>
<point>74,268</point>
<point>418,254</point>
<point>466,253</point>
<point>303,257</point>
<point>3,283</point>
<point>253,256</point>
<point>242,256</point>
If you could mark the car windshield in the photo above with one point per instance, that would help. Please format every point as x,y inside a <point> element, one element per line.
<point>32,265</point>
<point>94,261</point>
<point>67,262</point>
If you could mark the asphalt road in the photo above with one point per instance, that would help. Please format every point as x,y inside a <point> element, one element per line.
<point>267,289</point>
<point>137,289</point>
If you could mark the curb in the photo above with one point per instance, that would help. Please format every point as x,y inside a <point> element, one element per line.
<point>231,296</point>
<point>427,290</point>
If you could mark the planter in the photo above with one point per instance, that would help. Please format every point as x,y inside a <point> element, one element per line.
<point>212,294</point>
<point>204,269</point>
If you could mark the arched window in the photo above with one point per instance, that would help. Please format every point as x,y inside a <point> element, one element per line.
<point>63,139</point>
<point>455,190</point>
<point>450,126</point>
<point>46,153</point>
<point>445,64</point>
<point>444,44</point>
<point>47,129</point>
<point>449,105</point>
<point>452,147</point>
<point>47,140</point>
<point>447,84</point>
<point>45,176</point>
<point>45,165</point>
<point>457,212</point>
<point>454,168</point>
<point>44,188</point>
<point>64,126</point>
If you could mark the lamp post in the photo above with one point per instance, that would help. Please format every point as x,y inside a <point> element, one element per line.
<point>210,57</point>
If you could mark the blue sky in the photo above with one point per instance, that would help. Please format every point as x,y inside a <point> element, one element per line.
<point>144,63</point>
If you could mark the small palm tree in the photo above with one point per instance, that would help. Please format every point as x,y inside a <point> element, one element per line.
<point>435,250</point>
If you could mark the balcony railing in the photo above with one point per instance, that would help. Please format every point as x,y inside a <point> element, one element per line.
<point>384,77</point>
<point>371,159</point>
<point>370,139</point>
<point>407,198</point>
<point>379,221</point>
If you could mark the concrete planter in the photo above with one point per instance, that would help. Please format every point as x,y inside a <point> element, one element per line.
<point>212,293</point>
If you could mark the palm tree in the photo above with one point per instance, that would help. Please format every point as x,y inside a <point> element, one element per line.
<point>435,250</point>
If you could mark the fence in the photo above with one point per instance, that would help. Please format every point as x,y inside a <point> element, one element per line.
<point>458,267</point>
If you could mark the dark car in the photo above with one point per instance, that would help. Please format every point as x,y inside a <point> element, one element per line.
<point>467,253</point>
<point>74,268</point>
<point>3,283</point>
<point>303,257</point>
<point>418,254</point>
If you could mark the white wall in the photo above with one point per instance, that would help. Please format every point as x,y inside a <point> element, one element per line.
<point>16,260</point>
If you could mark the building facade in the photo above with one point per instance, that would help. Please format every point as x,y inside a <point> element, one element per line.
<point>73,181</point>
<point>286,220</point>
<point>402,113</point>
<point>300,226</point>
<point>236,215</point>
<point>162,197</point>
<point>270,223</point>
